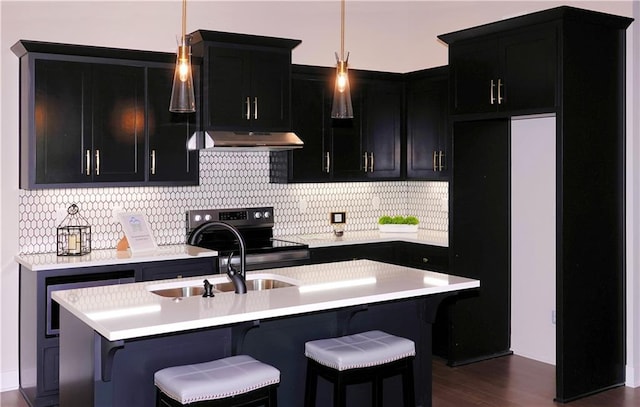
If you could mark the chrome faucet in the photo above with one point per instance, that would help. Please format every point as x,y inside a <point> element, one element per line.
<point>237,277</point>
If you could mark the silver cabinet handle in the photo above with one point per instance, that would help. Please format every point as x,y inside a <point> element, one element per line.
<point>328,159</point>
<point>372,161</point>
<point>425,260</point>
<point>492,98</point>
<point>440,159</point>
<point>97,162</point>
<point>255,108</point>
<point>153,162</point>
<point>435,160</point>
<point>248,111</point>
<point>88,164</point>
<point>499,91</point>
<point>366,161</point>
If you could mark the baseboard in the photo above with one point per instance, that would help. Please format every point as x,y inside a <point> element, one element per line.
<point>632,377</point>
<point>9,380</point>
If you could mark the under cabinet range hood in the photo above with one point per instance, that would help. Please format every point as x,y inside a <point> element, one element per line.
<point>244,140</point>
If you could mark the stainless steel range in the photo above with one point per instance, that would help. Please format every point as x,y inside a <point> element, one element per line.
<point>256,227</point>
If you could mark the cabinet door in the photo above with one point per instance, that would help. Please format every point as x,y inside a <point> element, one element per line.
<point>270,91</point>
<point>382,116</point>
<point>375,251</point>
<point>247,90</point>
<point>118,125</point>
<point>168,159</point>
<point>227,98</point>
<point>427,128</point>
<point>529,69</point>
<point>480,239</point>
<point>347,142</point>
<point>474,72</point>
<point>309,96</point>
<point>62,97</point>
<point>514,72</point>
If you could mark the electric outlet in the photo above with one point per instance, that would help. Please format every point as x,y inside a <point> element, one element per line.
<point>338,217</point>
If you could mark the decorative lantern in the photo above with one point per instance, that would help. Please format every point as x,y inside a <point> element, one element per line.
<point>74,234</point>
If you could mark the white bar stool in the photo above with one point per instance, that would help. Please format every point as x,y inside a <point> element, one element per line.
<point>234,381</point>
<point>365,357</point>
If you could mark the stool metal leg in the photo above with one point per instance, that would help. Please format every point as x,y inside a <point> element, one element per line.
<point>310,385</point>
<point>340,391</point>
<point>376,391</point>
<point>408,390</point>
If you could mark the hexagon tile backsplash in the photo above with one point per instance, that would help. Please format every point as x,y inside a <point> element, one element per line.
<point>229,180</point>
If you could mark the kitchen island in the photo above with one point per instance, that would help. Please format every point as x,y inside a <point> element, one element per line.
<point>113,338</point>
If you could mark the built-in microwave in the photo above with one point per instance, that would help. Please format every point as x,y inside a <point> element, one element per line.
<point>78,281</point>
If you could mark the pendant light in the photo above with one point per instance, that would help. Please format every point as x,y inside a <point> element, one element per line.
<point>182,97</point>
<point>342,108</point>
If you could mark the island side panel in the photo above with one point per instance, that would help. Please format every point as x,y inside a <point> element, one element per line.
<point>76,361</point>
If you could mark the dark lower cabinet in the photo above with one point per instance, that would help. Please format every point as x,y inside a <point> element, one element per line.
<point>374,251</point>
<point>40,317</point>
<point>479,322</point>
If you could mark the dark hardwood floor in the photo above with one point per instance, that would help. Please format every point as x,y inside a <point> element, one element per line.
<point>510,381</point>
<point>513,381</point>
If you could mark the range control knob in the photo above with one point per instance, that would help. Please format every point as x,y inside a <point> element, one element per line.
<point>207,217</point>
<point>267,214</point>
<point>197,218</point>
<point>257,215</point>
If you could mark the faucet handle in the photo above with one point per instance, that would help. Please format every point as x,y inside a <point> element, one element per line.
<point>208,289</point>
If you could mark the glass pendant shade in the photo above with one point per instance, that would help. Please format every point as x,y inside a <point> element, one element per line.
<point>342,108</point>
<point>183,99</point>
<point>182,95</point>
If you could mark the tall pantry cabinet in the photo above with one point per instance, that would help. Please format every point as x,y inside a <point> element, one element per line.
<point>569,63</point>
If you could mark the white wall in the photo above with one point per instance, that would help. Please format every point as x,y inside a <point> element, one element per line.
<point>533,238</point>
<point>388,36</point>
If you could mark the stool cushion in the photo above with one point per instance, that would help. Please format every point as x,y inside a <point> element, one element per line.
<point>216,379</point>
<point>365,349</point>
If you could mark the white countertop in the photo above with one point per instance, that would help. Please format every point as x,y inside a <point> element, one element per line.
<point>105,257</point>
<point>131,310</point>
<point>424,236</point>
<point>51,261</point>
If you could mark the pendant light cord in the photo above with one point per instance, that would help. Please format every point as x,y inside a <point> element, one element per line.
<point>342,7</point>
<point>184,22</point>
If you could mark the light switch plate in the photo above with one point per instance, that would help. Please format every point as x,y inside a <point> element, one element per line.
<point>338,217</point>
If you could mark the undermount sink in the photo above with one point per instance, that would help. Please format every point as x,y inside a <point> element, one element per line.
<point>195,288</point>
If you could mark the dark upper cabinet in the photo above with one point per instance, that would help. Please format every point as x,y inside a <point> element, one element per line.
<point>92,116</point>
<point>87,122</point>
<point>382,103</point>
<point>60,92</point>
<point>513,71</point>
<point>310,120</point>
<point>117,117</point>
<point>427,124</point>
<point>246,81</point>
<point>169,161</point>
<point>367,147</point>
